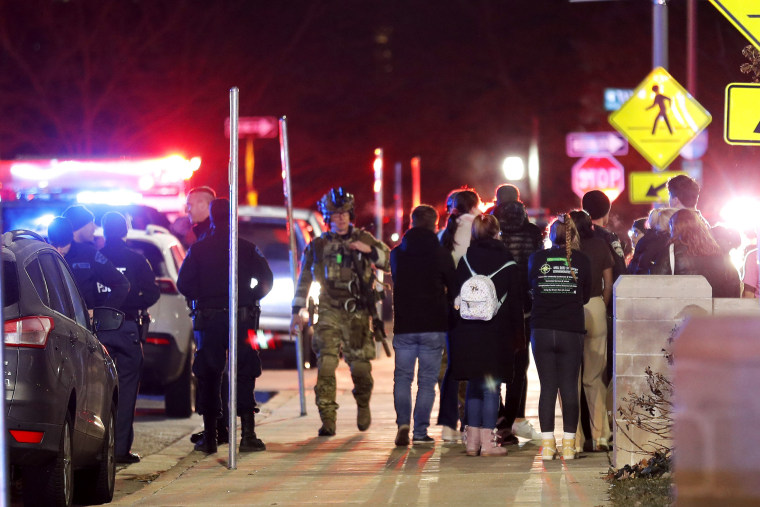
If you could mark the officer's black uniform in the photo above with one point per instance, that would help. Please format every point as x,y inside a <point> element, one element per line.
<point>90,267</point>
<point>204,278</point>
<point>125,344</point>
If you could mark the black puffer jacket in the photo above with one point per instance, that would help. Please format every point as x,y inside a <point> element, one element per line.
<point>717,269</point>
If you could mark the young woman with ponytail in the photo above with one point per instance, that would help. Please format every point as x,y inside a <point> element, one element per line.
<point>560,283</point>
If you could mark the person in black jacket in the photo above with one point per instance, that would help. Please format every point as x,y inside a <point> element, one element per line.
<point>204,278</point>
<point>482,351</point>
<point>522,239</point>
<point>560,281</point>
<point>197,206</point>
<point>424,284</point>
<point>125,344</point>
<point>89,266</point>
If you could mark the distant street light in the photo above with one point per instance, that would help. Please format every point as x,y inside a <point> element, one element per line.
<point>513,168</point>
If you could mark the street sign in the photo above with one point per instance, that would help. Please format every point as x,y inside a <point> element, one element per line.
<point>254,126</point>
<point>744,15</point>
<point>742,120</point>
<point>660,118</point>
<point>598,173</point>
<point>583,144</point>
<point>616,97</point>
<point>649,187</point>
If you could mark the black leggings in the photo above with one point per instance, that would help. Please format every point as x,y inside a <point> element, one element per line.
<point>558,356</point>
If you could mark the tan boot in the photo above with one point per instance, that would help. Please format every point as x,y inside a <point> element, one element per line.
<point>488,445</point>
<point>568,448</point>
<point>548,449</point>
<point>472,440</point>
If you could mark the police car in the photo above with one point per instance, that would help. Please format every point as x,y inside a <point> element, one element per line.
<point>266,226</point>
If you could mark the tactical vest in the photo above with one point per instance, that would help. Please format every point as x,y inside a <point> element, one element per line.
<point>337,268</point>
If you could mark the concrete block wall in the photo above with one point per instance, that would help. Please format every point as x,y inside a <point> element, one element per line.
<point>716,375</point>
<point>647,311</point>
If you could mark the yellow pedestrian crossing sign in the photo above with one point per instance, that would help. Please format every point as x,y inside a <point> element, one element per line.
<point>744,15</point>
<point>660,118</point>
<point>742,117</point>
<point>649,187</point>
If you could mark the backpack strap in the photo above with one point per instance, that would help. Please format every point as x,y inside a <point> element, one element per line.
<point>472,273</point>
<point>504,266</point>
<point>672,253</point>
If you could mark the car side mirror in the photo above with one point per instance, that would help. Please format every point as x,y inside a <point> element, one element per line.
<point>107,319</point>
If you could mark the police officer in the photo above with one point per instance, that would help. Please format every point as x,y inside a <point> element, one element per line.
<point>204,278</point>
<point>89,266</point>
<point>342,261</point>
<point>197,208</point>
<point>125,344</point>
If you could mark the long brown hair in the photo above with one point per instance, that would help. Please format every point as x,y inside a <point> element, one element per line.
<point>688,228</point>
<point>563,232</point>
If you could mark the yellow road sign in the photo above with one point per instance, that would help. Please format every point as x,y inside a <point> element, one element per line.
<point>744,15</point>
<point>660,118</point>
<point>742,120</point>
<point>645,188</point>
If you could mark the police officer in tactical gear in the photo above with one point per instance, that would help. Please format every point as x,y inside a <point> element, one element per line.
<point>204,278</point>
<point>88,265</point>
<point>125,344</point>
<point>343,262</point>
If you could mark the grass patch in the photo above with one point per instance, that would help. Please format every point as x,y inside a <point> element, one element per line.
<point>651,492</point>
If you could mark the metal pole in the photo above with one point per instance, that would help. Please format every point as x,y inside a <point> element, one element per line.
<point>416,162</point>
<point>4,479</point>
<point>378,189</point>
<point>397,201</point>
<point>233,275</point>
<point>691,47</point>
<point>286,189</point>
<point>659,34</point>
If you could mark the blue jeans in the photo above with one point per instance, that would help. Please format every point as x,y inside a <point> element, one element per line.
<point>482,403</point>
<point>409,347</point>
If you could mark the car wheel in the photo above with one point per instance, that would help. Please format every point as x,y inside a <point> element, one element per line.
<point>95,485</point>
<point>52,484</point>
<point>179,395</point>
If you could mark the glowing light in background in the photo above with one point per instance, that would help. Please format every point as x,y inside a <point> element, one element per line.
<point>513,168</point>
<point>115,197</point>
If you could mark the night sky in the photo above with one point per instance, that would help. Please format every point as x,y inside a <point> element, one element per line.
<point>458,83</point>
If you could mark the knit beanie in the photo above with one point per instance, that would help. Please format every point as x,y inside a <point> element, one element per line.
<point>79,216</point>
<point>507,193</point>
<point>60,232</point>
<point>114,225</point>
<point>596,203</point>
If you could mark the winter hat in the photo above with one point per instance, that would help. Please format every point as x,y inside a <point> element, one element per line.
<point>114,225</point>
<point>507,193</point>
<point>60,232</point>
<point>219,210</point>
<point>79,216</point>
<point>596,203</point>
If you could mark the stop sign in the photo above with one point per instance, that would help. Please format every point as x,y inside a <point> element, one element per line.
<point>598,173</point>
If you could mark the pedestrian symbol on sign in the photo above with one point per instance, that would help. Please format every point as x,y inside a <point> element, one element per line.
<point>662,102</point>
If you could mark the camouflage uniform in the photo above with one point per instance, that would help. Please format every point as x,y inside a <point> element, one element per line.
<point>344,322</point>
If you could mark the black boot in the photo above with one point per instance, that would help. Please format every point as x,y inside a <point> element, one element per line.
<point>249,442</point>
<point>207,443</point>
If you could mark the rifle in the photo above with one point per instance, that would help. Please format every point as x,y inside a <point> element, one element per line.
<point>368,298</point>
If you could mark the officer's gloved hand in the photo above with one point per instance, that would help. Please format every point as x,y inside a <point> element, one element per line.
<point>296,324</point>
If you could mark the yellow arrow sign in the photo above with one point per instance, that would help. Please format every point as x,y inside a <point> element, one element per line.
<point>660,118</point>
<point>744,15</point>
<point>645,188</point>
<point>742,120</point>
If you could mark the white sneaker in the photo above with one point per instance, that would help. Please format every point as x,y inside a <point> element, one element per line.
<point>524,429</point>
<point>450,434</point>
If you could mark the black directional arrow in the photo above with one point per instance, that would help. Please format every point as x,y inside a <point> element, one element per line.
<point>653,191</point>
<point>757,129</point>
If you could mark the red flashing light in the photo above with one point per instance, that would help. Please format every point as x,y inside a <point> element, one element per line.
<point>153,340</point>
<point>27,437</point>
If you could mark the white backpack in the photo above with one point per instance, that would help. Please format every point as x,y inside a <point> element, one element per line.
<point>477,299</point>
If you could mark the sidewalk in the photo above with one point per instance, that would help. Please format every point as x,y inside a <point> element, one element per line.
<point>361,467</point>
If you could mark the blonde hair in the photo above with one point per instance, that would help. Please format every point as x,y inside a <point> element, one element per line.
<point>563,232</point>
<point>659,218</point>
<point>485,226</point>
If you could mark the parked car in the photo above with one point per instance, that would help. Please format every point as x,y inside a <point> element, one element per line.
<point>266,226</point>
<point>61,387</point>
<point>169,348</point>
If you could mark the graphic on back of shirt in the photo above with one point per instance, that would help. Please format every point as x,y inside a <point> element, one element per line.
<point>555,277</point>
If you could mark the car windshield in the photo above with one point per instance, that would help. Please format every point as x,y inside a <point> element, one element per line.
<point>152,253</point>
<point>10,283</point>
<point>270,236</point>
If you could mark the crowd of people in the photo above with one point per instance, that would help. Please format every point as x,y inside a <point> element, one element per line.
<point>469,303</point>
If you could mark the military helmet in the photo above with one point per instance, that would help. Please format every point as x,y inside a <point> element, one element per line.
<point>336,200</point>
